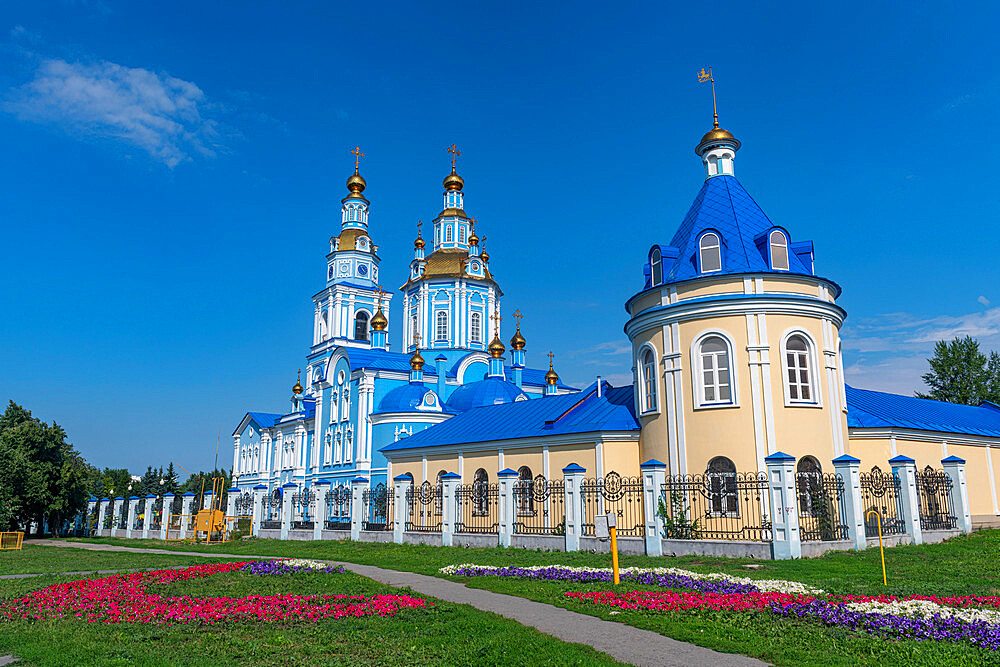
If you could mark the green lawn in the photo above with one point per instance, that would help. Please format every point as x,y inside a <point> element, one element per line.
<point>962,566</point>
<point>444,634</point>
<point>33,559</point>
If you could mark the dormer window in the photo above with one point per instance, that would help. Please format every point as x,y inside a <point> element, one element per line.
<point>779,250</point>
<point>710,253</point>
<point>657,265</point>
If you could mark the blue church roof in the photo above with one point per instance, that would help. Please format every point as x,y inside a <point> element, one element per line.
<point>875,409</point>
<point>722,205</point>
<point>579,412</point>
<point>265,419</point>
<point>489,391</point>
<point>405,398</point>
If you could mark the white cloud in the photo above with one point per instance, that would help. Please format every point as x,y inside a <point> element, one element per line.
<point>158,113</point>
<point>983,300</point>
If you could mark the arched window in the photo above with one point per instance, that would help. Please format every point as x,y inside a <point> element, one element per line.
<point>713,165</point>
<point>779,250</point>
<point>657,265</point>
<point>477,328</point>
<point>721,474</point>
<point>480,493</point>
<point>797,372</point>
<point>710,252</point>
<point>522,492</point>
<point>715,372</point>
<point>447,233</point>
<point>413,329</point>
<point>441,325</point>
<point>361,326</point>
<point>461,233</point>
<point>648,373</point>
<point>809,487</point>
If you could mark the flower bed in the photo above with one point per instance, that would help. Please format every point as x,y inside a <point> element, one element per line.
<point>921,617</point>
<point>125,599</point>
<point>290,566</point>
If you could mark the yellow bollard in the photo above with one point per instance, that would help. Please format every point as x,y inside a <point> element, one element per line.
<point>614,552</point>
<point>878,519</point>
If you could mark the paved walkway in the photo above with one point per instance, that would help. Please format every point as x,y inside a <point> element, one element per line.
<point>620,641</point>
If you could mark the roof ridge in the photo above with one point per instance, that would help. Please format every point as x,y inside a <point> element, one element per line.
<point>736,218</point>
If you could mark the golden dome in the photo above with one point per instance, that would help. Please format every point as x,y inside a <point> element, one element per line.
<point>485,256</point>
<point>416,361</point>
<point>453,181</point>
<point>448,263</point>
<point>496,348</point>
<point>356,183</point>
<point>518,342</point>
<point>297,389</point>
<point>379,322</point>
<point>551,377</point>
<point>473,239</point>
<point>715,135</point>
<point>419,241</point>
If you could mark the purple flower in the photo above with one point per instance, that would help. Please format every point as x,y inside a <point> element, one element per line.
<point>262,567</point>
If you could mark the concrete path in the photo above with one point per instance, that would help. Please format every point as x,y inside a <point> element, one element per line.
<point>618,640</point>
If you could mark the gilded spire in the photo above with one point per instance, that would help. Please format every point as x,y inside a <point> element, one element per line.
<point>453,181</point>
<point>297,389</point>
<point>518,342</point>
<point>379,321</point>
<point>356,183</point>
<point>473,239</point>
<point>716,135</point>
<point>551,377</point>
<point>496,348</point>
<point>416,361</point>
<point>419,241</point>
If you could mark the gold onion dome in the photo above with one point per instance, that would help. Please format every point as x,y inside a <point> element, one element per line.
<point>473,239</point>
<point>715,135</point>
<point>518,342</point>
<point>379,322</point>
<point>496,348</point>
<point>297,389</point>
<point>453,181</point>
<point>416,361</point>
<point>356,183</point>
<point>551,377</point>
<point>419,241</point>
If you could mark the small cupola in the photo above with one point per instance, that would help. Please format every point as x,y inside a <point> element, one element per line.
<point>717,149</point>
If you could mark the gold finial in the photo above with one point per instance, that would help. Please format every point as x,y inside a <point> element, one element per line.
<point>473,239</point>
<point>416,338</point>
<point>518,342</point>
<point>496,348</point>
<point>453,181</point>
<point>379,321</point>
<point>704,76</point>
<point>551,377</point>
<point>357,157</point>
<point>453,149</point>
<point>419,241</point>
<point>297,389</point>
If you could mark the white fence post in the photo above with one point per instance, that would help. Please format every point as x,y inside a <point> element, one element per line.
<point>322,490</point>
<point>507,478</point>
<point>849,470</point>
<point>147,515</point>
<point>954,467</point>
<point>259,492</point>
<point>168,500</point>
<point>905,469</point>
<point>118,508</point>
<point>287,491</point>
<point>187,502</point>
<point>654,476</point>
<point>102,512</point>
<point>785,536</point>
<point>358,510</point>
<point>573,477</point>
<point>449,486</point>
<point>400,485</point>
<point>231,496</point>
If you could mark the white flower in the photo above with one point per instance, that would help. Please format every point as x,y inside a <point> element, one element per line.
<point>926,609</point>
<point>304,562</point>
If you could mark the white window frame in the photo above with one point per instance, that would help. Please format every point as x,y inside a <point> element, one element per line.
<point>812,357</point>
<point>702,248</point>
<point>656,267</point>
<point>437,325</point>
<point>641,390</point>
<point>697,372</point>
<point>771,245</point>
<point>448,234</point>
<point>476,327</point>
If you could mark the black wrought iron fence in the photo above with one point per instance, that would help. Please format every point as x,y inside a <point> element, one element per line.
<point>934,488</point>
<point>303,509</point>
<point>378,504</point>
<point>540,506</point>
<point>272,512</point>
<point>423,508</point>
<point>821,506</point>
<point>716,506</point>
<point>614,494</point>
<point>122,516</point>
<point>176,504</point>
<point>478,508</point>
<point>880,493</point>
<point>338,508</point>
<point>243,505</point>
<point>156,519</point>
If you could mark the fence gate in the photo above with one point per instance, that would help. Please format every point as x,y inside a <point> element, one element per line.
<point>821,506</point>
<point>880,492</point>
<point>621,496</point>
<point>424,508</point>
<point>934,495</point>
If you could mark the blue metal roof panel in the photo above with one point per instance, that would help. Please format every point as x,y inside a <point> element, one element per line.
<point>876,409</point>
<point>551,415</point>
<point>264,419</point>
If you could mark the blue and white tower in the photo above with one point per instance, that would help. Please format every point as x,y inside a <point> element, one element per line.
<point>450,292</point>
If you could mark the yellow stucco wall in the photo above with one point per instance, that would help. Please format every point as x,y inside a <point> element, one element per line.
<point>977,477</point>
<point>621,457</point>
<point>726,285</point>
<point>582,455</point>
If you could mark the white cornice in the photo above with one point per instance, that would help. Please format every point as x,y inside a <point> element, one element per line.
<point>589,437</point>
<point>861,433</point>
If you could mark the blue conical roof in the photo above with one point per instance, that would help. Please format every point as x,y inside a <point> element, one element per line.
<point>722,205</point>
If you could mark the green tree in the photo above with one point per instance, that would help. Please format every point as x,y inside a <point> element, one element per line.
<point>961,373</point>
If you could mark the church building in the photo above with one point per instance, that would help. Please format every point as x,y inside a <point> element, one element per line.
<point>736,354</point>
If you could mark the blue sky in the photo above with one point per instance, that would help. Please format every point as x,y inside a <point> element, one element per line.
<point>171,176</point>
